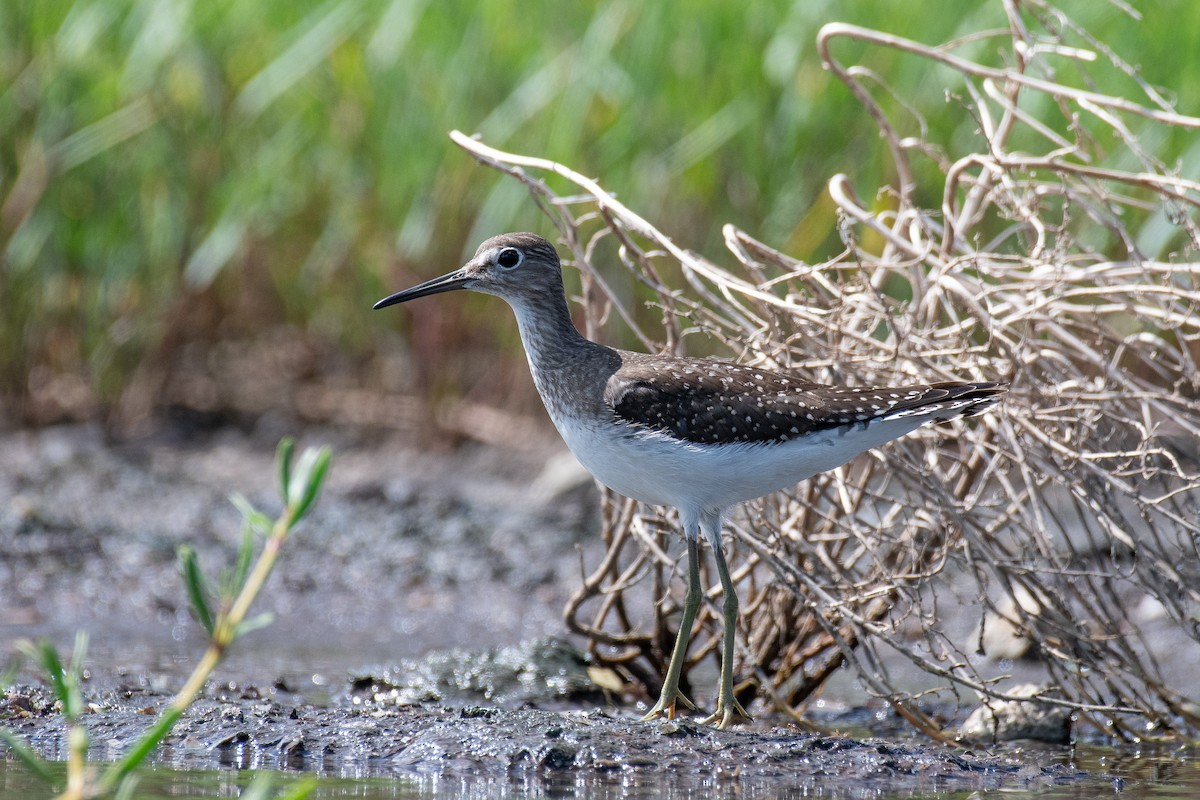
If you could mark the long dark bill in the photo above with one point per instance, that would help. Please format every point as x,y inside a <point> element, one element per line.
<point>447,283</point>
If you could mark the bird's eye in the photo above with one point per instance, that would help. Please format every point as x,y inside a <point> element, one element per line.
<point>510,258</point>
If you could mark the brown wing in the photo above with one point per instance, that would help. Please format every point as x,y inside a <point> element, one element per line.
<point>710,402</point>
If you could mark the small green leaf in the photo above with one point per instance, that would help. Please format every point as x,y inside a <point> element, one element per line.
<point>245,558</point>
<point>193,580</point>
<point>283,456</point>
<point>232,580</point>
<point>74,675</point>
<point>243,505</point>
<point>300,474</point>
<point>44,653</point>
<point>259,522</point>
<point>315,464</point>
<point>254,623</point>
<point>27,757</point>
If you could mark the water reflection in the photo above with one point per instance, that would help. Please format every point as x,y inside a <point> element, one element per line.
<point>1164,775</point>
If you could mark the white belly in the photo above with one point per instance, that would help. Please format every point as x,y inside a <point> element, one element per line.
<point>655,468</point>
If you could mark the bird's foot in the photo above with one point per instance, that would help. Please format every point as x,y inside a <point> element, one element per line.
<point>666,705</point>
<point>728,711</point>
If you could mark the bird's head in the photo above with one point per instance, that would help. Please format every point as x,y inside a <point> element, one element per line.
<point>517,267</point>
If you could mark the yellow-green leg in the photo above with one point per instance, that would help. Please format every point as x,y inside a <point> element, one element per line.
<point>727,704</point>
<point>691,604</point>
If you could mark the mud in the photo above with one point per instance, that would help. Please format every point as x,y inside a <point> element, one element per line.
<point>409,549</point>
<point>243,729</point>
<point>396,609</point>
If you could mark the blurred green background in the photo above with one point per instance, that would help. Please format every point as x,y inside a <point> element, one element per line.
<point>186,186</point>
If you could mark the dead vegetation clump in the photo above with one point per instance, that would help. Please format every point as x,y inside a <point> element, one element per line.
<point>1063,259</point>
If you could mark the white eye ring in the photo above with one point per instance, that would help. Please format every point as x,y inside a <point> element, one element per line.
<point>510,258</point>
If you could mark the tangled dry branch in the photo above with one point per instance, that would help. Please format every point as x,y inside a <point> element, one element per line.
<point>1069,519</point>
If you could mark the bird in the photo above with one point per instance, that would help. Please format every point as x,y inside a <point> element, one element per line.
<point>698,435</point>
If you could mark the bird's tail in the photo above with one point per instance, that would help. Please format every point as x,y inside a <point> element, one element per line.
<point>942,402</point>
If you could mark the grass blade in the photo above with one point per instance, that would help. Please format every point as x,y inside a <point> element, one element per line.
<point>74,675</point>
<point>317,37</point>
<point>259,788</point>
<point>259,522</point>
<point>193,580</point>
<point>254,623</point>
<point>245,558</point>
<point>313,467</point>
<point>126,789</point>
<point>45,654</point>
<point>141,749</point>
<point>283,455</point>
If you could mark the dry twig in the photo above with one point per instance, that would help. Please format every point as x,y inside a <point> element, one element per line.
<point>1071,517</point>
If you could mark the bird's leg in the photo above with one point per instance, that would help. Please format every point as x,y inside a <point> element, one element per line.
<point>727,704</point>
<point>691,604</point>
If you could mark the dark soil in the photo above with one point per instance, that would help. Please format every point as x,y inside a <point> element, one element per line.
<point>411,553</point>
<point>243,729</point>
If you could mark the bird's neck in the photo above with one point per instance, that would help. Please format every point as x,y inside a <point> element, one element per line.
<point>549,335</point>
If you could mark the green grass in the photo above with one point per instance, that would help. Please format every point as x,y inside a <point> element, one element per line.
<point>173,171</point>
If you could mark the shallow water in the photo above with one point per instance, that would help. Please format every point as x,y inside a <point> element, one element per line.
<point>1162,775</point>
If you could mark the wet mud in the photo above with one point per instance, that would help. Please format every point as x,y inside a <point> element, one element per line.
<point>244,729</point>
<point>429,563</point>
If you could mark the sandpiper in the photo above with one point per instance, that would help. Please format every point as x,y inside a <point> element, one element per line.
<point>695,434</point>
